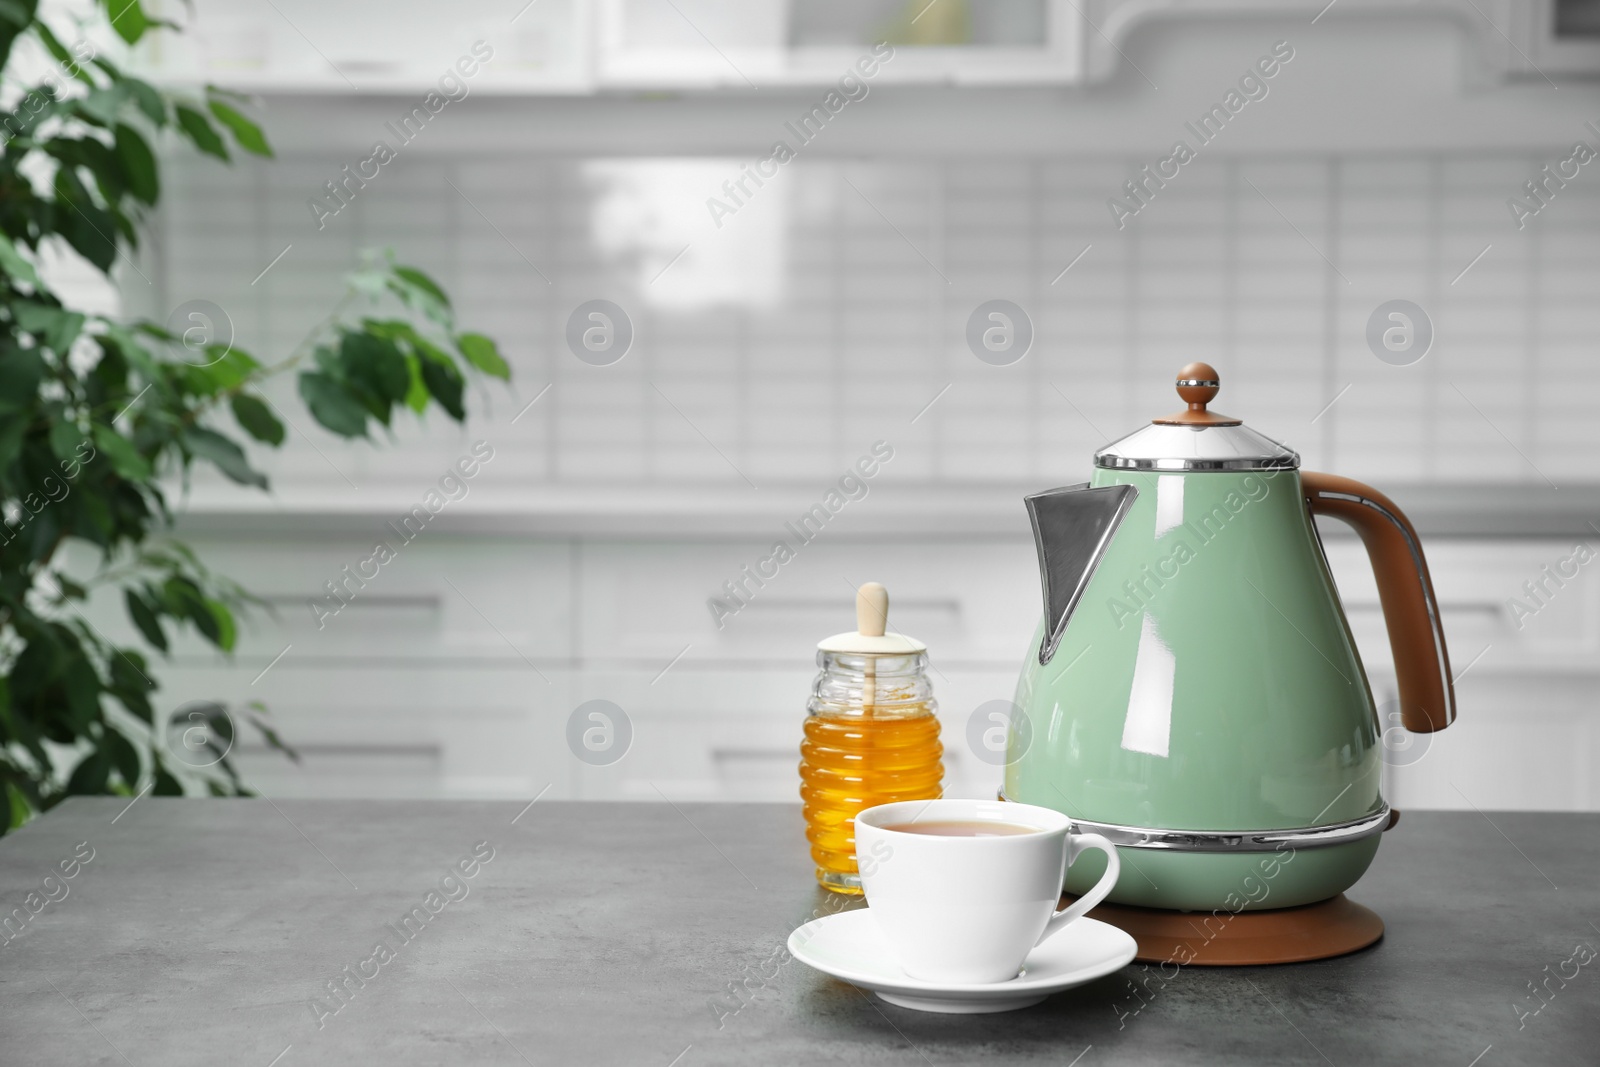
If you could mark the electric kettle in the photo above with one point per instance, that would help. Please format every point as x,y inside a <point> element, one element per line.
<point>1193,691</point>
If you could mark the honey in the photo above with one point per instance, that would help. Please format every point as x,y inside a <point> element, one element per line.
<point>855,760</point>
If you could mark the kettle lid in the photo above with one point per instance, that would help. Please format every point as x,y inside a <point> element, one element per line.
<point>1197,439</point>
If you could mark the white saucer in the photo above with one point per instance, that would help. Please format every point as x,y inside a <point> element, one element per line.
<point>850,946</point>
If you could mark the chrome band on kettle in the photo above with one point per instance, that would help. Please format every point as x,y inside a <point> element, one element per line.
<point>1236,841</point>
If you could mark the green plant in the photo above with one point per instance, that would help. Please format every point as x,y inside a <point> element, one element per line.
<point>98,417</point>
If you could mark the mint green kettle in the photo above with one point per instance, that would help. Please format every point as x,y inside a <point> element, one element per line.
<point>1193,691</point>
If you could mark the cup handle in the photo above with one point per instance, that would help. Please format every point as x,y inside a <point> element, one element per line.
<point>1076,843</point>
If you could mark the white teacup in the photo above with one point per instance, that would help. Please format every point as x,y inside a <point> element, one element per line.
<point>966,910</point>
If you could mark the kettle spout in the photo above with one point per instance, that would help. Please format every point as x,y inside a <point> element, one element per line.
<point>1072,528</point>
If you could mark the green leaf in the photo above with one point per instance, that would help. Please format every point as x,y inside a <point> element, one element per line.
<point>87,228</point>
<point>96,157</point>
<point>101,107</point>
<point>147,99</point>
<point>125,459</point>
<point>16,15</point>
<point>68,61</point>
<point>124,757</point>
<point>70,590</point>
<point>418,280</point>
<point>482,353</point>
<point>90,775</point>
<point>106,65</point>
<point>247,133</point>
<point>442,378</point>
<point>229,367</point>
<point>57,326</point>
<point>128,19</point>
<point>65,439</point>
<point>82,687</point>
<point>166,785</point>
<point>393,329</point>
<point>15,266</point>
<point>228,457</point>
<point>12,432</point>
<point>200,131</point>
<point>417,393</point>
<point>21,371</point>
<point>144,617</point>
<point>332,405</point>
<point>127,345</point>
<point>444,382</point>
<point>222,92</point>
<point>138,163</point>
<point>375,364</point>
<point>130,684</point>
<point>257,419</point>
<point>370,283</point>
<point>270,735</point>
<point>185,600</point>
<point>227,629</point>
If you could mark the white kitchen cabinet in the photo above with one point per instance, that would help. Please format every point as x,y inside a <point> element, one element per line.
<point>762,43</point>
<point>375,47</point>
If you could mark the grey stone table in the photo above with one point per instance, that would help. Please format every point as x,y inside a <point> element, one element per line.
<point>209,931</point>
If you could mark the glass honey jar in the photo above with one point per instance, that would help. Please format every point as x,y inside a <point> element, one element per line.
<point>871,735</point>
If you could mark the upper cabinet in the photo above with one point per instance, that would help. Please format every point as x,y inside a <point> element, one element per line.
<point>588,46</point>
<point>760,43</point>
<point>1562,37</point>
<point>375,46</point>
<point>583,46</point>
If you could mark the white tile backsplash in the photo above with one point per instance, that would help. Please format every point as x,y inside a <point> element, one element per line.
<point>843,289</point>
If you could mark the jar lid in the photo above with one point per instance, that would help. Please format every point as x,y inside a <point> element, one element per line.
<point>1197,439</point>
<point>869,638</point>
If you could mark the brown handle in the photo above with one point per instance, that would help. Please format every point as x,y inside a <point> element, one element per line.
<point>1416,633</point>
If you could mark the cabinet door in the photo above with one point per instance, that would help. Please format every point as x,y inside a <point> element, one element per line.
<point>389,730</point>
<point>761,43</point>
<point>974,600</point>
<point>362,46</point>
<point>430,677</point>
<point>439,599</point>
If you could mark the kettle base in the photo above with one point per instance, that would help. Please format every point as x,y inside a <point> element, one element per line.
<point>1317,931</point>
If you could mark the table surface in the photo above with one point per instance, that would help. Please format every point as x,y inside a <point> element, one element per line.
<point>209,931</point>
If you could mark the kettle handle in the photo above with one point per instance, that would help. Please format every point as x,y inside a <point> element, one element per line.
<point>1410,609</point>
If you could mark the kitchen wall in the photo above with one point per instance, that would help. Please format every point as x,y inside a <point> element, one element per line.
<point>828,312</point>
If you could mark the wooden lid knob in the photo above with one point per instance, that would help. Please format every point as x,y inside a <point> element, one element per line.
<point>1198,385</point>
<point>870,637</point>
<point>872,610</point>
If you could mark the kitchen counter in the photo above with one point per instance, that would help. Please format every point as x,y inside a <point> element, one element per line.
<point>890,510</point>
<point>200,931</point>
